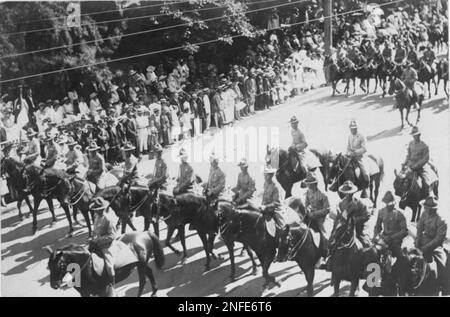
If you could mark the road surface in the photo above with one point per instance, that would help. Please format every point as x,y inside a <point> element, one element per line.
<point>323,119</point>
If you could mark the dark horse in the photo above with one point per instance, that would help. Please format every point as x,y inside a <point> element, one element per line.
<point>383,71</point>
<point>426,74</point>
<point>337,74</point>
<point>297,245</point>
<point>342,168</point>
<point>405,98</point>
<point>191,209</point>
<point>286,175</point>
<point>347,257</point>
<point>407,187</point>
<point>143,245</point>
<point>417,277</point>
<point>365,72</point>
<point>48,185</point>
<point>247,227</point>
<point>13,170</point>
<point>442,73</point>
<point>137,199</point>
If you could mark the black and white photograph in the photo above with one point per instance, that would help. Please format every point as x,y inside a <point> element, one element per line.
<point>224,148</point>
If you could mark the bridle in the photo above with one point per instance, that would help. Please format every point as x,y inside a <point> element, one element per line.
<point>407,192</point>
<point>341,170</point>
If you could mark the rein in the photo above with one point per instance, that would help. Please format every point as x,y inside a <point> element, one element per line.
<point>74,200</point>
<point>424,275</point>
<point>293,252</point>
<point>406,194</point>
<point>138,205</point>
<point>342,171</point>
<point>49,191</point>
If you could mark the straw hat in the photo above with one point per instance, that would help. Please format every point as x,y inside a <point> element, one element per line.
<point>348,188</point>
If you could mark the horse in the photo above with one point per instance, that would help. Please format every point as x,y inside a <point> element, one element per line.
<point>335,75</point>
<point>137,199</point>
<point>342,168</point>
<point>247,227</point>
<point>347,258</point>
<point>297,244</point>
<point>48,185</point>
<point>417,277</point>
<point>407,187</point>
<point>405,98</point>
<point>141,245</point>
<point>191,209</point>
<point>426,74</point>
<point>286,174</point>
<point>442,73</point>
<point>13,170</point>
<point>365,72</point>
<point>382,72</point>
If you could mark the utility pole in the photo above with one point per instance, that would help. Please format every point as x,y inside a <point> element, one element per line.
<point>328,35</point>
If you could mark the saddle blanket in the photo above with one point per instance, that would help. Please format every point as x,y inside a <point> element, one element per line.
<point>122,255</point>
<point>315,235</point>
<point>371,166</point>
<point>310,159</point>
<point>285,216</point>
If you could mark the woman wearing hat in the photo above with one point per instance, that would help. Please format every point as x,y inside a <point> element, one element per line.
<point>351,206</point>
<point>245,186</point>
<point>97,168</point>
<point>186,176</point>
<point>391,225</point>
<point>418,160</point>
<point>431,234</point>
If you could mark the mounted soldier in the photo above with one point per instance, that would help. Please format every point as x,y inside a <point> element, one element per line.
<point>52,152</point>
<point>418,160</point>
<point>96,170</point>
<point>160,174</point>
<point>429,57</point>
<point>409,77</point>
<point>356,150</point>
<point>74,158</point>
<point>245,186</point>
<point>104,236</point>
<point>215,186</point>
<point>33,149</point>
<point>185,178</point>
<point>391,225</point>
<point>130,168</point>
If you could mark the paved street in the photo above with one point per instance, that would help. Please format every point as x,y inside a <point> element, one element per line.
<point>323,119</point>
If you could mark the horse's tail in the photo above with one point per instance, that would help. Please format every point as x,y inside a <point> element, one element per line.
<point>158,252</point>
<point>380,163</point>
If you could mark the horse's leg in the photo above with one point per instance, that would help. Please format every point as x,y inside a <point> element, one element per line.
<point>435,86</point>
<point>170,230</point>
<point>66,209</point>
<point>205,246</point>
<point>156,227</point>
<point>354,84</point>
<point>376,189</point>
<point>149,273</point>
<point>429,89</point>
<point>19,204</point>
<point>74,215</point>
<point>354,288</point>
<point>88,220</point>
<point>408,109</point>
<point>182,236</point>
<point>418,212</point>
<point>336,285</point>
<point>51,207</point>
<point>37,202</point>
<point>27,200</point>
<point>401,116</point>
<point>142,280</point>
<point>371,189</point>
<point>445,87</point>
<point>309,276</point>
<point>124,221</point>
<point>130,223</point>
<point>211,237</point>
<point>252,258</point>
<point>230,247</point>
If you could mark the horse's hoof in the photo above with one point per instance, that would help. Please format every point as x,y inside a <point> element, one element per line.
<point>34,231</point>
<point>20,218</point>
<point>154,293</point>
<point>255,271</point>
<point>52,224</point>
<point>207,268</point>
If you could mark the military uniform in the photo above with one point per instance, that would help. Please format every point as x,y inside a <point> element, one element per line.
<point>431,233</point>
<point>52,154</point>
<point>417,159</point>
<point>104,235</point>
<point>74,159</point>
<point>271,195</point>
<point>185,179</point>
<point>96,170</point>
<point>244,189</point>
<point>400,55</point>
<point>33,151</point>
<point>387,53</point>
<point>429,57</point>
<point>392,226</point>
<point>318,205</point>
<point>356,148</point>
<point>358,210</point>
<point>160,173</point>
<point>409,77</point>
<point>216,183</point>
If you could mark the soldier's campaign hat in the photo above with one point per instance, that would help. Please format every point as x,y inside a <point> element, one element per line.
<point>56,102</point>
<point>132,72</point>
<point>41,104</point>
<point>353,124</point>
<point>31,132</point>
<point>269,170</point>
<point>98,203</point>
<point>151,68</point>
<point>389,198</point>
<point>49,102</point>
<point>310,179</point>
<point>93,147</point>
<point>158,148</point>
<point>71,141</point>
<point>213,157</point>
<point>348,188</point>
<point>293,119</point>
<point>128,147</point>
<point>93,95</point>
<point>183,153</point>
<point>243,162</point>
<point>431,202</point>
<point>415,131</point>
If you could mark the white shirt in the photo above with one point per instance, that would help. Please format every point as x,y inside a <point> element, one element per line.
<point>84,109</point>
<point>207,104</point>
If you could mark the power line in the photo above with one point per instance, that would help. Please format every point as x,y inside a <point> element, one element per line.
<point>183,47</point>
<point>117,20</point>
<point>109,11</point>
<point>143,32</point>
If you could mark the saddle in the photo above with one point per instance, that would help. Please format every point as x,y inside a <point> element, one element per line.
<point>122,253</point>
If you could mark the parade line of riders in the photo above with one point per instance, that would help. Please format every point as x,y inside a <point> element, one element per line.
<point>390,225</point>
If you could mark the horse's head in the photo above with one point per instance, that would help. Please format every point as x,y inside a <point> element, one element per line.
<point>58,263</point>
<point>167,204</point>
<point>225,210</point>
<point>403,183</point>
<point>336,170</point>
<point>343,230</point>
<point>417,265</point>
